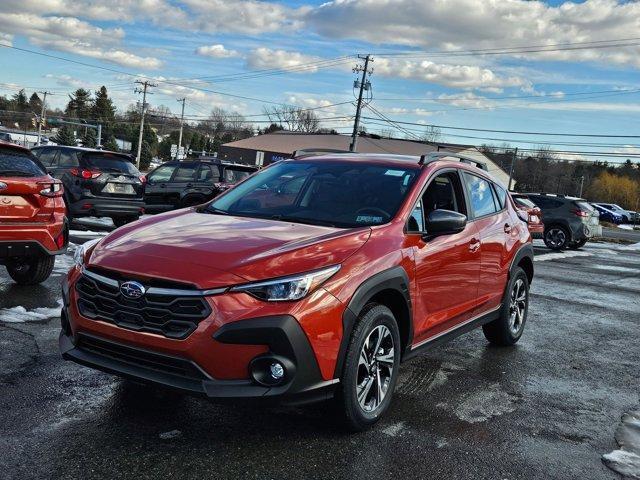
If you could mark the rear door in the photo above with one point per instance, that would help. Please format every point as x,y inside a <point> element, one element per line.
<point>111,175</point>
<point>21,180</point>
<point>182,181</point>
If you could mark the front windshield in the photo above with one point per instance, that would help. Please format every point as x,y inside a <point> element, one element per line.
<point>340,194</point>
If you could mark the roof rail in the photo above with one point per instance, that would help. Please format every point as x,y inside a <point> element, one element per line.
<point>305,152</point>
<point>435,156</point>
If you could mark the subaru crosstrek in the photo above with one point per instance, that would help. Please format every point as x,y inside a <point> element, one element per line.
<point>33,227</point>
<point>312,279</point>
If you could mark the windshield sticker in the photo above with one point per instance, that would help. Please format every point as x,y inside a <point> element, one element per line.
<point>368,219</point>
<point>394,173</point>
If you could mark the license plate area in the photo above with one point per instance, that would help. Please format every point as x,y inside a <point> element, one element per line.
<point>119,188</point>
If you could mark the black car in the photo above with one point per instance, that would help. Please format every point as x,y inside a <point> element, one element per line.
<point>97,183</point>
<point>186,183</point>
<point>569,222</point>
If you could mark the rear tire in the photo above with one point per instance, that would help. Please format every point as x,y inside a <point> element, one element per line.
<point>121,221</point>
<point>370,370</point>
<point>508,328</point>
<point>578,244</point>
<point>556,237</point>
<point>31,271</point>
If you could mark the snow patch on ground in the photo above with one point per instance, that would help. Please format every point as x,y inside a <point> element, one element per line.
<point>103,221</point>
<point>63,265</point>
<point>559,255</point>
<point>483,405</point>
<point>626,460</point>
<point>87,233</point>
<point>615,268</point>
<point>394,429</point>
<point>626,227</point>
<point>21,315</point>
<point>635,246</point>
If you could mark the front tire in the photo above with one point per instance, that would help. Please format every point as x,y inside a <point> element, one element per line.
<point>578,244</point>
<point>557,237</point>
<point>370,371</point>
<point>508,328</point>
<point>31,271</point>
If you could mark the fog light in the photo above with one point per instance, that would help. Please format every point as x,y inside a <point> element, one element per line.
<point>277,370</point>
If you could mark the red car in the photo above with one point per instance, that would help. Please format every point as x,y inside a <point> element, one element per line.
<point>532,212</point>
<point>370,261</point>
<point>33,227</point>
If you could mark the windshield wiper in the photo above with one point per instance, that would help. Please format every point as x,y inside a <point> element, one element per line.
<point>305,221</point>
<point>213,211</point>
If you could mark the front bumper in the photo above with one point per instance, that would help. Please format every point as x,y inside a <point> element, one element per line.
<point>282,335</point>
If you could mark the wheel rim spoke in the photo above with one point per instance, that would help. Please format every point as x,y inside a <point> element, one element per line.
<point>375,368</point>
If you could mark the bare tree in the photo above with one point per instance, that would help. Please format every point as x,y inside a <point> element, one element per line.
<point>293,118</point>
<point>431,134</point>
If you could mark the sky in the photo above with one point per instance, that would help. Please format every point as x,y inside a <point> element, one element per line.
<point>471,64</point>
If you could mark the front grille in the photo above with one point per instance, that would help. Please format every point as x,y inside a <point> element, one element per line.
<point>173,316</point>
<point>140,358</point>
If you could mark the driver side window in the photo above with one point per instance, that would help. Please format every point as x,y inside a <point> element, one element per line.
<point>443,193</point>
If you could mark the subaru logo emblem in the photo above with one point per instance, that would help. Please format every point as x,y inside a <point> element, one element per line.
<point>3,185</point>
<point>132,289</point>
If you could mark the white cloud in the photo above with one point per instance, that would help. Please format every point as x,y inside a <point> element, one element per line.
<point>455,76</point>
<point>265,58</point>
<point>67,81</point>
<point>465,100</point>
<point>216,51</point>
<point>474,24</point>
<point>6,39</point>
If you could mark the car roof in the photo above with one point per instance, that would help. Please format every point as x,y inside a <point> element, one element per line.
<point>82,149</point>
<point>14,146</point>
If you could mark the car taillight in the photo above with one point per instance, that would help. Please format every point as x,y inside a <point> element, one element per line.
<point>580,213</point>
<point>84,173</point>
<point>52,190</point>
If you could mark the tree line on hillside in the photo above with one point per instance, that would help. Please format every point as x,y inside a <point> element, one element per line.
<point>543,171</point>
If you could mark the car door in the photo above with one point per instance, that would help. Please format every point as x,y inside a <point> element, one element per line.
<point>156,196</point>
<point>495,227</point>
<point>447,267</point>
<point>182,182</point>
<point>205,179</point>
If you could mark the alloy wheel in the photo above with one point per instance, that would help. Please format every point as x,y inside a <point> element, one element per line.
<point>517,306</point>
<point>556,237</point>
<point>375,368</point>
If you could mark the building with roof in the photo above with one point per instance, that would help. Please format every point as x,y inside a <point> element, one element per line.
<point>265,149</point>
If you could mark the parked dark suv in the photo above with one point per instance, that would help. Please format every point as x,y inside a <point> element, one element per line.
<point>97,183</point>
<point>187,183</point>
<point>312,279</point>
<point>569,222</point>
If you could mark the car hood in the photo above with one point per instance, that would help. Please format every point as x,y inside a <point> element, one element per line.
<point>212,251</point>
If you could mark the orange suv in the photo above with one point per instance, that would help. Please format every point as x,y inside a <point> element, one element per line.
<point>311,279</point>
<point>33,227</point>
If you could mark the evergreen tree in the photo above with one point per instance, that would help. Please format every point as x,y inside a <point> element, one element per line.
<point>145,156</point>
<point>19,101</point>
<point>35,103</point>
<point>110,144</point>
<point>80,104</point>
<point>90,138</point>
<point>65,136</point>
<point>103,110</point>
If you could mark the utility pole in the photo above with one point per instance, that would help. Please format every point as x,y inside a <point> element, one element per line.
<point>146,84</point>
<point>513,161</point>
<point>581,186</point>
<point>42,114</point>
<point>181,100</point>
<point>364,85</point>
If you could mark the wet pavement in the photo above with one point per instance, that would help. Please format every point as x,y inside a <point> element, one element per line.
<point>545,409</point>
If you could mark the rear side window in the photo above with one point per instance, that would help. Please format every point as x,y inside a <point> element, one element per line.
<point>501,195</point>
<point>48,156</point>
<point>524,202</point>
<point>162,174</point>
<point>481,196</point>
<point>232,175</point>
<point>547,203</point>
<point>208,173</point>
<point>185,173</point>
<point>14,163</point>
<point>584,206</point>
<point>110,162</point>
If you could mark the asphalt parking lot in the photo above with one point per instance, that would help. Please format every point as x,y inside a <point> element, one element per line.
<point>547,408</point>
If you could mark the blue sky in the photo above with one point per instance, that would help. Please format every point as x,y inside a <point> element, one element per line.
<point>578,90</point>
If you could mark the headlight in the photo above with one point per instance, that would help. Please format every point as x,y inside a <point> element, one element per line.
<point>82,250</point>
<point>290,288</point>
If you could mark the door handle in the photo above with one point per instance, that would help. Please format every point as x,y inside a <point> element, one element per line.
<point>507,228</point>
<point>474,245</point>
<point>189,185</point>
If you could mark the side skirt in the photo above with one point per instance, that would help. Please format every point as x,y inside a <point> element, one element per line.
<point>452,333</point>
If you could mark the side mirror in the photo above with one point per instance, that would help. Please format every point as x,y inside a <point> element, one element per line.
<point>444,222</point>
